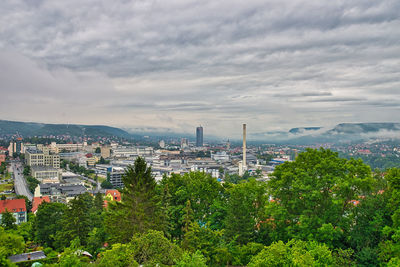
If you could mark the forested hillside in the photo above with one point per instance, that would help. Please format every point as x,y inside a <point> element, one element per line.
<point>29,129</point>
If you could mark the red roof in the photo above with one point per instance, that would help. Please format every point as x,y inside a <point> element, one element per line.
<point>116,195</point>
<point>12,205</point>
<point>37,201</point>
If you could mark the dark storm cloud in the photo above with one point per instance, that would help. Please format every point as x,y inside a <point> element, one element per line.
<point>175,64</point>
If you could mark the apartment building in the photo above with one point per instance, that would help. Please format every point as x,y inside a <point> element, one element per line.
<point>17,207</point>
<point>35,157</point>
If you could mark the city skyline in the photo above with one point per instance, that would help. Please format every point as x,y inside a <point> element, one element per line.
<point>171,66</point>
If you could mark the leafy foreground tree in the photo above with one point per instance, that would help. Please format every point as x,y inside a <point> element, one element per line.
<point>118,255</point>
<point>49,222</point>
<point>205,194</point>
<point>294,253</point>
<point>8,220</point>
<point>192,260</point>
<point>76,221</point>
<point>140,208</point>
<point>72,256</point>
<point>10,244</point>
<point>245,210</point>
<point>154,248</point>
<point>313,196</point>
<point>148,249</point>
<point>389,248</point>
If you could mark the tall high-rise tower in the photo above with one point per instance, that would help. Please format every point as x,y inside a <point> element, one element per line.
<point>199,136</point>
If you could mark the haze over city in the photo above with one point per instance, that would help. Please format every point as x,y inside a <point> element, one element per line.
<point>173,65</point>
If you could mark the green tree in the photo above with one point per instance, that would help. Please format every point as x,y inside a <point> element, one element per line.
<point>106,184</point>
<point>97,210</point>
<point>95,240</point>
<point>26,229</point>
<point>72,255</point>
<point>3,168</point>
<point>154,248</point>
<point>8,220</point>
<point>139,209</point>
<point>27,171</point>
<point>294,253</point>
<point>32,183</point>
<point>389,248</point>
<point>76,221</point>
<point>369,218</point>
<point>242,254</point>
<point>118,255</point>
<point>102,161</point>
<point>209,242</point>
<point>49,221</point>
<point>188,217</point>
<point>192,260</point>
<point>10,244</point>
<point>207,200</point>
<point>245,210</point>
<point>317,189</point>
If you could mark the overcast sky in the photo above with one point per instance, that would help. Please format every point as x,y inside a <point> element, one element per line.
<point>174,65</point>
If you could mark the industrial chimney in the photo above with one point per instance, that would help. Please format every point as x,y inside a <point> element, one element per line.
<point>244,147</point>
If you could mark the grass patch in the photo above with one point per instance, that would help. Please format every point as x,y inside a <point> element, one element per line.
<point>101,179</point>
<point>5,177</point>
<point>6,187</point>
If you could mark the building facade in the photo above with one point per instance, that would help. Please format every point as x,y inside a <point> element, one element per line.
<point>34,157</point>
<point>116,178</point>
<point>199,136</point>
<point>45,172</point>
<point>17,207</point>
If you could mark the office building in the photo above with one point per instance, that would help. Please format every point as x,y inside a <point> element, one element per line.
<point>34,157</point>
<point>105,151</point>
<point>45,172</point>
<point>2,155</point>
<point>199,136</point>
<point>16,147</point>
<point>116,177</point>
<point>184,143</point>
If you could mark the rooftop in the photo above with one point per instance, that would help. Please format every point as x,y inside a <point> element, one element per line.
<point>12,205</point>
<point>37,201</point>
<point>36,255</point>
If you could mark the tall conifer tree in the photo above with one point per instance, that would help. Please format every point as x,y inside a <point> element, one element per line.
<point>140,208</point>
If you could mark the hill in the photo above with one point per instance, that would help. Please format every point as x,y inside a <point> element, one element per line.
<point>343,132</point>
<point>28,129</point>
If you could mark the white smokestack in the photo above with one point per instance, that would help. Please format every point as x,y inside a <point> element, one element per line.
<point>244,146</point>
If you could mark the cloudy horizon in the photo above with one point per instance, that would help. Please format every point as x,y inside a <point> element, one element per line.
<point>175,65</point>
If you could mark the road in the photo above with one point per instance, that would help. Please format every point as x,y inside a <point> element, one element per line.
<point>91,181</point>
<point>20,185</point>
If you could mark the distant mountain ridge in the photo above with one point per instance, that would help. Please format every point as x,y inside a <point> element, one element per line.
<point>351,128</point>
<point>28,129</point>
<point>343,132</point>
